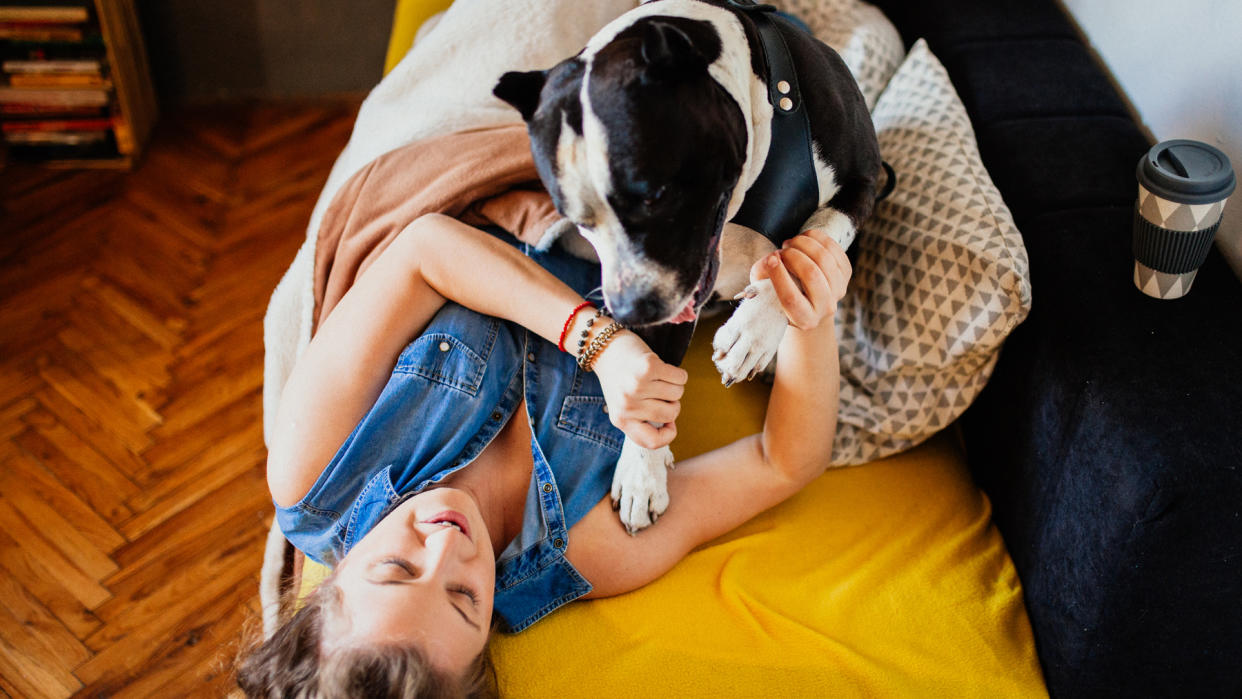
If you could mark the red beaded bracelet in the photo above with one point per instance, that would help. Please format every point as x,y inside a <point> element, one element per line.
<point>569,321</point>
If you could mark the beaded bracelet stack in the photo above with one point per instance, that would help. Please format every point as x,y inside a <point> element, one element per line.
<point>599,312</point>
<point>586,360</point>
<point>587,353</point>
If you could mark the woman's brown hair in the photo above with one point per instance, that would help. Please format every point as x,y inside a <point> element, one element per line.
<point>291,664</point>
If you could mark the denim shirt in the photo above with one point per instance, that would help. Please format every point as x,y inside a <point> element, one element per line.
<point>451,391</point>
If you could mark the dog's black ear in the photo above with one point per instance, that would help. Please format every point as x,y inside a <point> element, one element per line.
<point>521,90</point>
<point>668,49</point>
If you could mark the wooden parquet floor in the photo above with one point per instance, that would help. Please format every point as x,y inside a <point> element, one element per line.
<point>133,507</point>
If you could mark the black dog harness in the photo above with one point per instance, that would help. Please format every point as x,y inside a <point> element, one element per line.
<point>786,192</point>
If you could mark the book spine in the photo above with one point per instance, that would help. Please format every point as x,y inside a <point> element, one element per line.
<point>58,97</point>
<point>41,34</point>
<point>58,125</point>
<point>24,80</point>
<point>63,138</point>
<point>45,111</point>
<point>51,66</point>
<point>44,14</point>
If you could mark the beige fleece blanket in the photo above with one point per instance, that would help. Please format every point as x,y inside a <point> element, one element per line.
<point>482,177</point>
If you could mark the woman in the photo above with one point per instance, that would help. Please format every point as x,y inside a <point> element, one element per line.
<point>438,508</point>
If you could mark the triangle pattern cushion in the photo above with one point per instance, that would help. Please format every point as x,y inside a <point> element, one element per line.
<point>940,280</point>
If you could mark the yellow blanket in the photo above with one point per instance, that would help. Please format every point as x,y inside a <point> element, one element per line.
<point>881,580</point>
<point>886,579</point>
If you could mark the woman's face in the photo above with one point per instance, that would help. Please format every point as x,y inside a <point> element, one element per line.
<point>422,576</point>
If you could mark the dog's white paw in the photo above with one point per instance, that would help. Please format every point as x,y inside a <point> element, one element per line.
<point>746,344</point>
<point>640,485</point>
<point>836,224</point>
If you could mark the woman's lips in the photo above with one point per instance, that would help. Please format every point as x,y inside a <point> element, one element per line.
<point>451,517</point>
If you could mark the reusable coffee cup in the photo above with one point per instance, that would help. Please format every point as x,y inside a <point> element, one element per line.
<point>1182,189</point>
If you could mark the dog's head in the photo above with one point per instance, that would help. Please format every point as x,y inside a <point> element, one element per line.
<point>641,148</point>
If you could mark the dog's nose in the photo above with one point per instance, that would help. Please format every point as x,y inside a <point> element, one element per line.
<point>636,309</point>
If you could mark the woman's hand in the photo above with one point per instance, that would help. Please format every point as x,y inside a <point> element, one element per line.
<point>643,393</point>
<point>809,274</point>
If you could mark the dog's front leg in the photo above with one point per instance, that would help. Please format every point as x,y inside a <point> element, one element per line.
<point>835,223</point>
<point>746,344</point>
<point>640,485</point>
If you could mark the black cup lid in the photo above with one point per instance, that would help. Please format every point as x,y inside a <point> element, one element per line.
<point>1188,172</point>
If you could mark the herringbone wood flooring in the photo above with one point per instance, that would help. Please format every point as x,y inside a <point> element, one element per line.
<point>133,507</point>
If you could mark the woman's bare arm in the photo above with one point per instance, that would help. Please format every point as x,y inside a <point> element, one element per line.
<point>349,360</point>
<point>713,493</point>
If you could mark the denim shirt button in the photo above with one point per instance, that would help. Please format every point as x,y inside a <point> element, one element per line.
<point>605,409</point>
<point>496,416</point>
<point>444,346</point>
<point>530,356</point>
<point>547,487</point>
<point>559,543</point>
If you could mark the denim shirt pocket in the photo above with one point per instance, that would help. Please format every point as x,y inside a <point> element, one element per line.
<point>369,507</point>
<point>452,354</point>
<point>587,417</point>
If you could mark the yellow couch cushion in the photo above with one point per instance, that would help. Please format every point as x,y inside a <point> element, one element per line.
<point>880,580</point>
<point>886,579</point>
<point>408,16</point>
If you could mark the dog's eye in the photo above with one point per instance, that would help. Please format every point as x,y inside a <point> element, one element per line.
<point>655,196</point>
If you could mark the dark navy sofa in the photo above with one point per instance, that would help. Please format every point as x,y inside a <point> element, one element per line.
<point>1110,436</point>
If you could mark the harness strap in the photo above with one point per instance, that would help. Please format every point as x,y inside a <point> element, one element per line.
<point>786,192</point>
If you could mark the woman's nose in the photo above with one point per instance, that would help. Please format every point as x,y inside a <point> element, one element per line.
<point>443,548</point>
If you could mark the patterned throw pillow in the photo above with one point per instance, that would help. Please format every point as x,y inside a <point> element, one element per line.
<point>941,277</point>
<point>868,43</point>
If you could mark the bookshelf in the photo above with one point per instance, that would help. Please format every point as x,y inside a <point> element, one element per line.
<point>76,88</point>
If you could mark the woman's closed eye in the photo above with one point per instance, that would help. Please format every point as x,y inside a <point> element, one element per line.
<point>467,593</point>
<point>409,570</point>
<point>402,564</point>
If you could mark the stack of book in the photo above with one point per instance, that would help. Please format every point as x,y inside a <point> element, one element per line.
<point>57,100</point>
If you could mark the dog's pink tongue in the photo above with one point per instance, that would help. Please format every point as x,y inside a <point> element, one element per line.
<point>687,314</point>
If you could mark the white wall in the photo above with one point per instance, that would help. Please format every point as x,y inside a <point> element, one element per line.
<point>1180,63</point>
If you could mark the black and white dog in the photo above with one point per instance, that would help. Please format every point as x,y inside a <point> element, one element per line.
<point>676,124</point>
